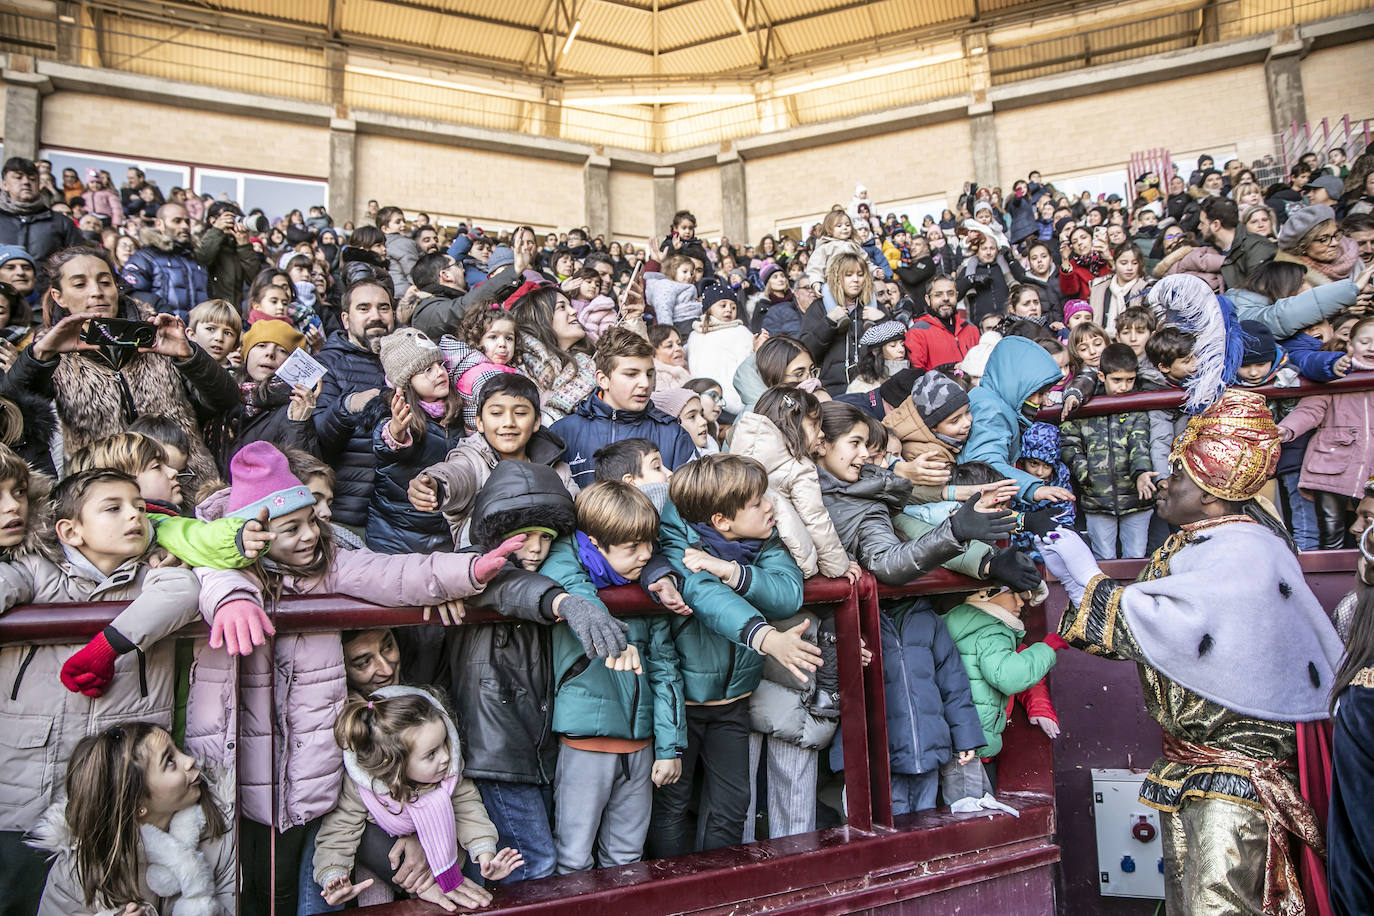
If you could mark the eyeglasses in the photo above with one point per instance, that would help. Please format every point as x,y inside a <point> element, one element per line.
<point>713,395</point>
<point>1328,238</point>
<point>796,375</point>
<point>185,477</point>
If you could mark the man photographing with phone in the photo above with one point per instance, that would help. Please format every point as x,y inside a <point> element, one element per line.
<point>225,251</point>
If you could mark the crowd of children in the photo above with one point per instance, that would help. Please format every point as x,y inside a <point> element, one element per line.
<point>712,426</point>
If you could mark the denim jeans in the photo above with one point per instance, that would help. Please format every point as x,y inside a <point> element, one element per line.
<point>1302,515</point>
<point>912,792</point>
<point>1104,531</point>
<point>522,814</point>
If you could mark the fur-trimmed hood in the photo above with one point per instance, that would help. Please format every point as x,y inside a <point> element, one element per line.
<point>365,780</point>
<point>521,494</point>
<point>153,237</point>
<point>39,537</point>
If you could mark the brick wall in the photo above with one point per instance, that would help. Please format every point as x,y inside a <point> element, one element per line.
<point>489,187</point>
<point>1336,81</point>
<point>120,126</point>
<point>896,166</point>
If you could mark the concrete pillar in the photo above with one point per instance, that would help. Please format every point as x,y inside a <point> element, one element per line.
<point>596,182</point>
<point>24,91</point>
<point>1283,78</point>
<point>734,213</point>
<point>548,114</point>
<point>343,175</point>
<point>665,199</point>
<point>335,62</point>
<point>983,140</point>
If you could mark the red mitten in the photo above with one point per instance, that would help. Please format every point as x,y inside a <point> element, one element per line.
<point>490,563</point>
<point>1056,642</point>
<point>92,668</point>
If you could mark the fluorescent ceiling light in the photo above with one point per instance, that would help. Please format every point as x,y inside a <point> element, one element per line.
<point>607,101</point>
<point>480,88</point>
<point>869,73</point>
<point>571,35</point>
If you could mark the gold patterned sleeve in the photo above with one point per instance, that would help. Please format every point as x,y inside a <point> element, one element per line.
<point>1097,626</point>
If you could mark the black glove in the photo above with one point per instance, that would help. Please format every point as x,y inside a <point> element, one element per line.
<point>601,635</point>
<point>1039,522</point>
<point>968,524</point>
<point>1012,567</point>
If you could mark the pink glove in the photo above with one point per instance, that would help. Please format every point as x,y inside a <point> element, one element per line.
<point>491,563</point>
<point>91,669</point>
<point>239,626</point>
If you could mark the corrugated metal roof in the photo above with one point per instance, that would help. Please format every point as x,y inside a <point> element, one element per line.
<point>315,12</point>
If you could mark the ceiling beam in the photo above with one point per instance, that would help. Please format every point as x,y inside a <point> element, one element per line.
<point>503,23</point>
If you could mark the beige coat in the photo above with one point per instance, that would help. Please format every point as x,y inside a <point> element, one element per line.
<point>40,720</point>
<point>917,439</point>
<point>803,522</point>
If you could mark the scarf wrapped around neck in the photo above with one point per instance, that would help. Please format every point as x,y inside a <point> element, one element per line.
<point>260,396</point>
<point>10,205</point>
<point>598,568</point>
<point>742,551</point>
<point>1342,267</point>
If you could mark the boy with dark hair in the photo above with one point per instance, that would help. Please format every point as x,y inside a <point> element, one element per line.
<point>717,530</point>
<point>1109,459</point>
<point>622,731</point>
<point>620,408</point>
<point>630,460</point>
<point>507,428</point>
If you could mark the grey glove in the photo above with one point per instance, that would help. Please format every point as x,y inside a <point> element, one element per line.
<point>601,635</point>
<point>968,524</point>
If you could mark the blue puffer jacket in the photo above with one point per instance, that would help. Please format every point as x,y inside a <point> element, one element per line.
<point>346,438</point>
<point>1017,369</point>
<point>166,275</point>
<point>1023,222</point>
<point>713,642</point>
<point>594,424</point>
<point>930,711</point>
<point>393,525</point>
<point>874,252</point>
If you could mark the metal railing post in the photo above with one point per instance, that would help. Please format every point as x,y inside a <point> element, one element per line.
<point>854,725</point>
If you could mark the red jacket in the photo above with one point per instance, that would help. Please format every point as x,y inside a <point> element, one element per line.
<point>929,342</point>
<point>1077,283</point>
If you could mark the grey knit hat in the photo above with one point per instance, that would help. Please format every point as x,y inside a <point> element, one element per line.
<point>406,353</point>
<point>672,401</point>
<point>937,396</point>
<point>1301,222</point>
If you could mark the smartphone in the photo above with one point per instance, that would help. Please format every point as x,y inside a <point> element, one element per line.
<point>629,284</point>
<point>117,332</point>
<point>1099,232</point>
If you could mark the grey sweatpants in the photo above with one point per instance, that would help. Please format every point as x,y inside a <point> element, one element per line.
<point>601,802</point>
<point>791,787</point>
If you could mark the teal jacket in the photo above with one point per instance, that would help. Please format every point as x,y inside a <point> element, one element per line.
<point>591,700</point>
<point>1017,369</point>
<point>713,643</point>
<point>996,671</point>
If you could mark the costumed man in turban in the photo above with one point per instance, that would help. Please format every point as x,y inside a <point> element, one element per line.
<point>1233,650</point>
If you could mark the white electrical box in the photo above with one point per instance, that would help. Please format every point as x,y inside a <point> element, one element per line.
<point>1130,849</point>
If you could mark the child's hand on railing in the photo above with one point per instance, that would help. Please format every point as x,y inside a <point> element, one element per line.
<point>854,572</point>
<point>450,612</point>
<point>792,651</point>
<point>667,595</point>
<point>498,865</point>
<point>239,626</point>
<point>340,889</point>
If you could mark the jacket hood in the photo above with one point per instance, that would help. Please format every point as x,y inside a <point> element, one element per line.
<point>521,494</point>
<point>1017,369</point>
<point>1041,442</point>
<point>755,436</point>
<point>39,537</point>
<point>350,254</point>
<point>593,408</point>
<point>455,761</point>
<point>905,420</point>
<point>153,237</point>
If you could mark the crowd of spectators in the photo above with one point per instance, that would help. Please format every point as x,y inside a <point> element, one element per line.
<point>204,410</point>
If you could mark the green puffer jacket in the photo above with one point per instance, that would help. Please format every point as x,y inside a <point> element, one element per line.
<point>1105,456</point>
<point>986,639</point>
<point>713,642</point>
<point>591,700</point>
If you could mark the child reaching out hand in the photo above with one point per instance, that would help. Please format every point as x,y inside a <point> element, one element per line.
<point>404,772</point>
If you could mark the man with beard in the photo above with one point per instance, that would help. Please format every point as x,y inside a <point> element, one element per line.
<point>440,286</point>
<point>427,240</point>
<point>348,407</point>
<point>941,335</point>
<point>1220,227</point>
<point>1233,649</point>
<point>26,221</point>
<point>164,273</point>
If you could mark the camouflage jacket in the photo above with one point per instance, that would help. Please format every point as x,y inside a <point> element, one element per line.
<point>1105,456</point>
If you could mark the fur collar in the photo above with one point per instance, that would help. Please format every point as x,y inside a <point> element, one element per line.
<point>176,865</point>
<point>997,612</point>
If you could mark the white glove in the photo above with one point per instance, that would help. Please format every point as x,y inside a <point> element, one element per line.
<point>986,803</point>
<point>1069,560</point>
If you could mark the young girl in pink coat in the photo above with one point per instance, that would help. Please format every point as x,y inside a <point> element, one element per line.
<point>302,783</point>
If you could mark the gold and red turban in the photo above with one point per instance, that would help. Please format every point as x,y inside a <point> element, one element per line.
<point>1232,448</point>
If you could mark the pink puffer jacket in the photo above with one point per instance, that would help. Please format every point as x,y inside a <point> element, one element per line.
<point>310,683</point>
<point>1340,456</point>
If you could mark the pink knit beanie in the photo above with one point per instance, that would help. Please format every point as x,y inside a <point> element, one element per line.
<point>673,401</point>
<point>260,477</point>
